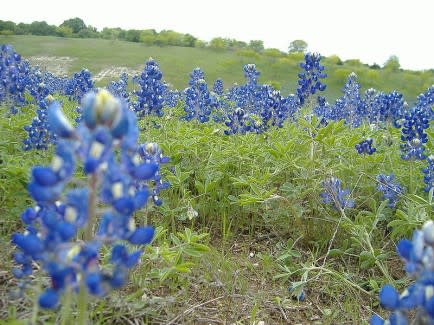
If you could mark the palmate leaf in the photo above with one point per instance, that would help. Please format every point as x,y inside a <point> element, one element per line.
<point>332,130</point>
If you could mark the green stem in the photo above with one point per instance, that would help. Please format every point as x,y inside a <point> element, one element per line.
<point>91,211</point>
<point>87,236</point>
<point>82,305</point>
<point>312,148</point>
<point>411,183</point>
<point>378,263</point>
<point>172,217</point>
<point>66,308</point>
<point>36,307</point>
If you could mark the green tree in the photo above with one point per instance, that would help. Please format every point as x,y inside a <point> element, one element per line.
<point>217,43</point>
<point>200,44</point>
<point>64,31</point>
<point>333,59</point>
<point>22,29</point>
<point>148,36</point>
<point>297,45</point>
<point>256,45</point>
<point>132,35</point>
<point>42,28</point>
<point>274,53</point>
<point>189,40</point>
<point>76,24</point>
<point>392,63</point>
<point>111,33</point>
<point>240,44</point>
<point>88,32</point>
<point>7,26</point>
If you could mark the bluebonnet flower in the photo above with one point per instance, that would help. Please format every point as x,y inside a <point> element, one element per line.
<point>296,292</point>
<point>429,174</point>
<point>196,75</point>
<point>39,133</point>
<point>415,122</point>
<point>223,106</point>
<point>238,122</point>
<point>335,195</point>
<point>323,111</point>
<point>390,188</point>
<point>151,153</point>
<point>79,84</point>
<point>276,109</point>
<point>36,85</point>
<point>372,108</point>
<point>41,84</point>
<point>390,108</point>
<point>152,88</point>
<point>171,97</point>
<point>199,102</point>
<point>249,96</point>
<point>365,147</point>
<point>105,145</point>
<point>218,87</point>
<point>251,74</point>
<point>14,77</point>
<point>413,150</point>
<point>251,102</point>
<point>351,106</point>
<point>418,256</point>
<point>309,80</point>
<point>254,107</point>
<point>119,88</point>
<point>426,102</point>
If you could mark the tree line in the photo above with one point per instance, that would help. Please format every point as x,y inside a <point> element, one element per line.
<point>76,27</point>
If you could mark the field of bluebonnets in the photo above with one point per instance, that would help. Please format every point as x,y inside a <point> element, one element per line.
<point>217,204</point>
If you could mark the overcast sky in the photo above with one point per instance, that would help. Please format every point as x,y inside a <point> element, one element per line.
<point>370,30</point>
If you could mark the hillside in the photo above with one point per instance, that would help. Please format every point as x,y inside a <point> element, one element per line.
<point>107,58</point>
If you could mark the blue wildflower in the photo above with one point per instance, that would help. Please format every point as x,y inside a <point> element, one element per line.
<point>79,84</point>
<point>390,188</point>
<point>150,95</point>
<point>415,122</point>
<point>365,147</point>
<point>418,256</point>
<point>105,146</point>
<point>218,87</point>
<point>14,78</point>
<point>309,80</point>
<point>39,132</point>
<point>119,88</point>
<point>171,97</point>
<point>429,174</point>
<point>199,102</point>
<point>335,195</point>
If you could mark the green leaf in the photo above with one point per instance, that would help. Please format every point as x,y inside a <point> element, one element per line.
<point>192,252</point>
<point>335,252</point>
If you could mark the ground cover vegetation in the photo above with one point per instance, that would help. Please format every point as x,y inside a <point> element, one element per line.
<point>141,203</point>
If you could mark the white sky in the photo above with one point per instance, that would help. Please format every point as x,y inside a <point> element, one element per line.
<point>369,30</point>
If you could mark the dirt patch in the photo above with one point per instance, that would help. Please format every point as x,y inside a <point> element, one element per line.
<point>58,65</point>
<point>115,72</point>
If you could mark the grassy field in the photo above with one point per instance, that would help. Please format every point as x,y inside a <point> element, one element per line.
<point>177,62</point>
<point>243,229</point>
<point>258,206</point>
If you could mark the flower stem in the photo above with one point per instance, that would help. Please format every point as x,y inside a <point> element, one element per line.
<point>36,307</point>
<point>66,308</point>
<point>411,183</point>
<point>88,234</point>
<point>91,211</point>
<point>82,305</point>
<point>312,149</point>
